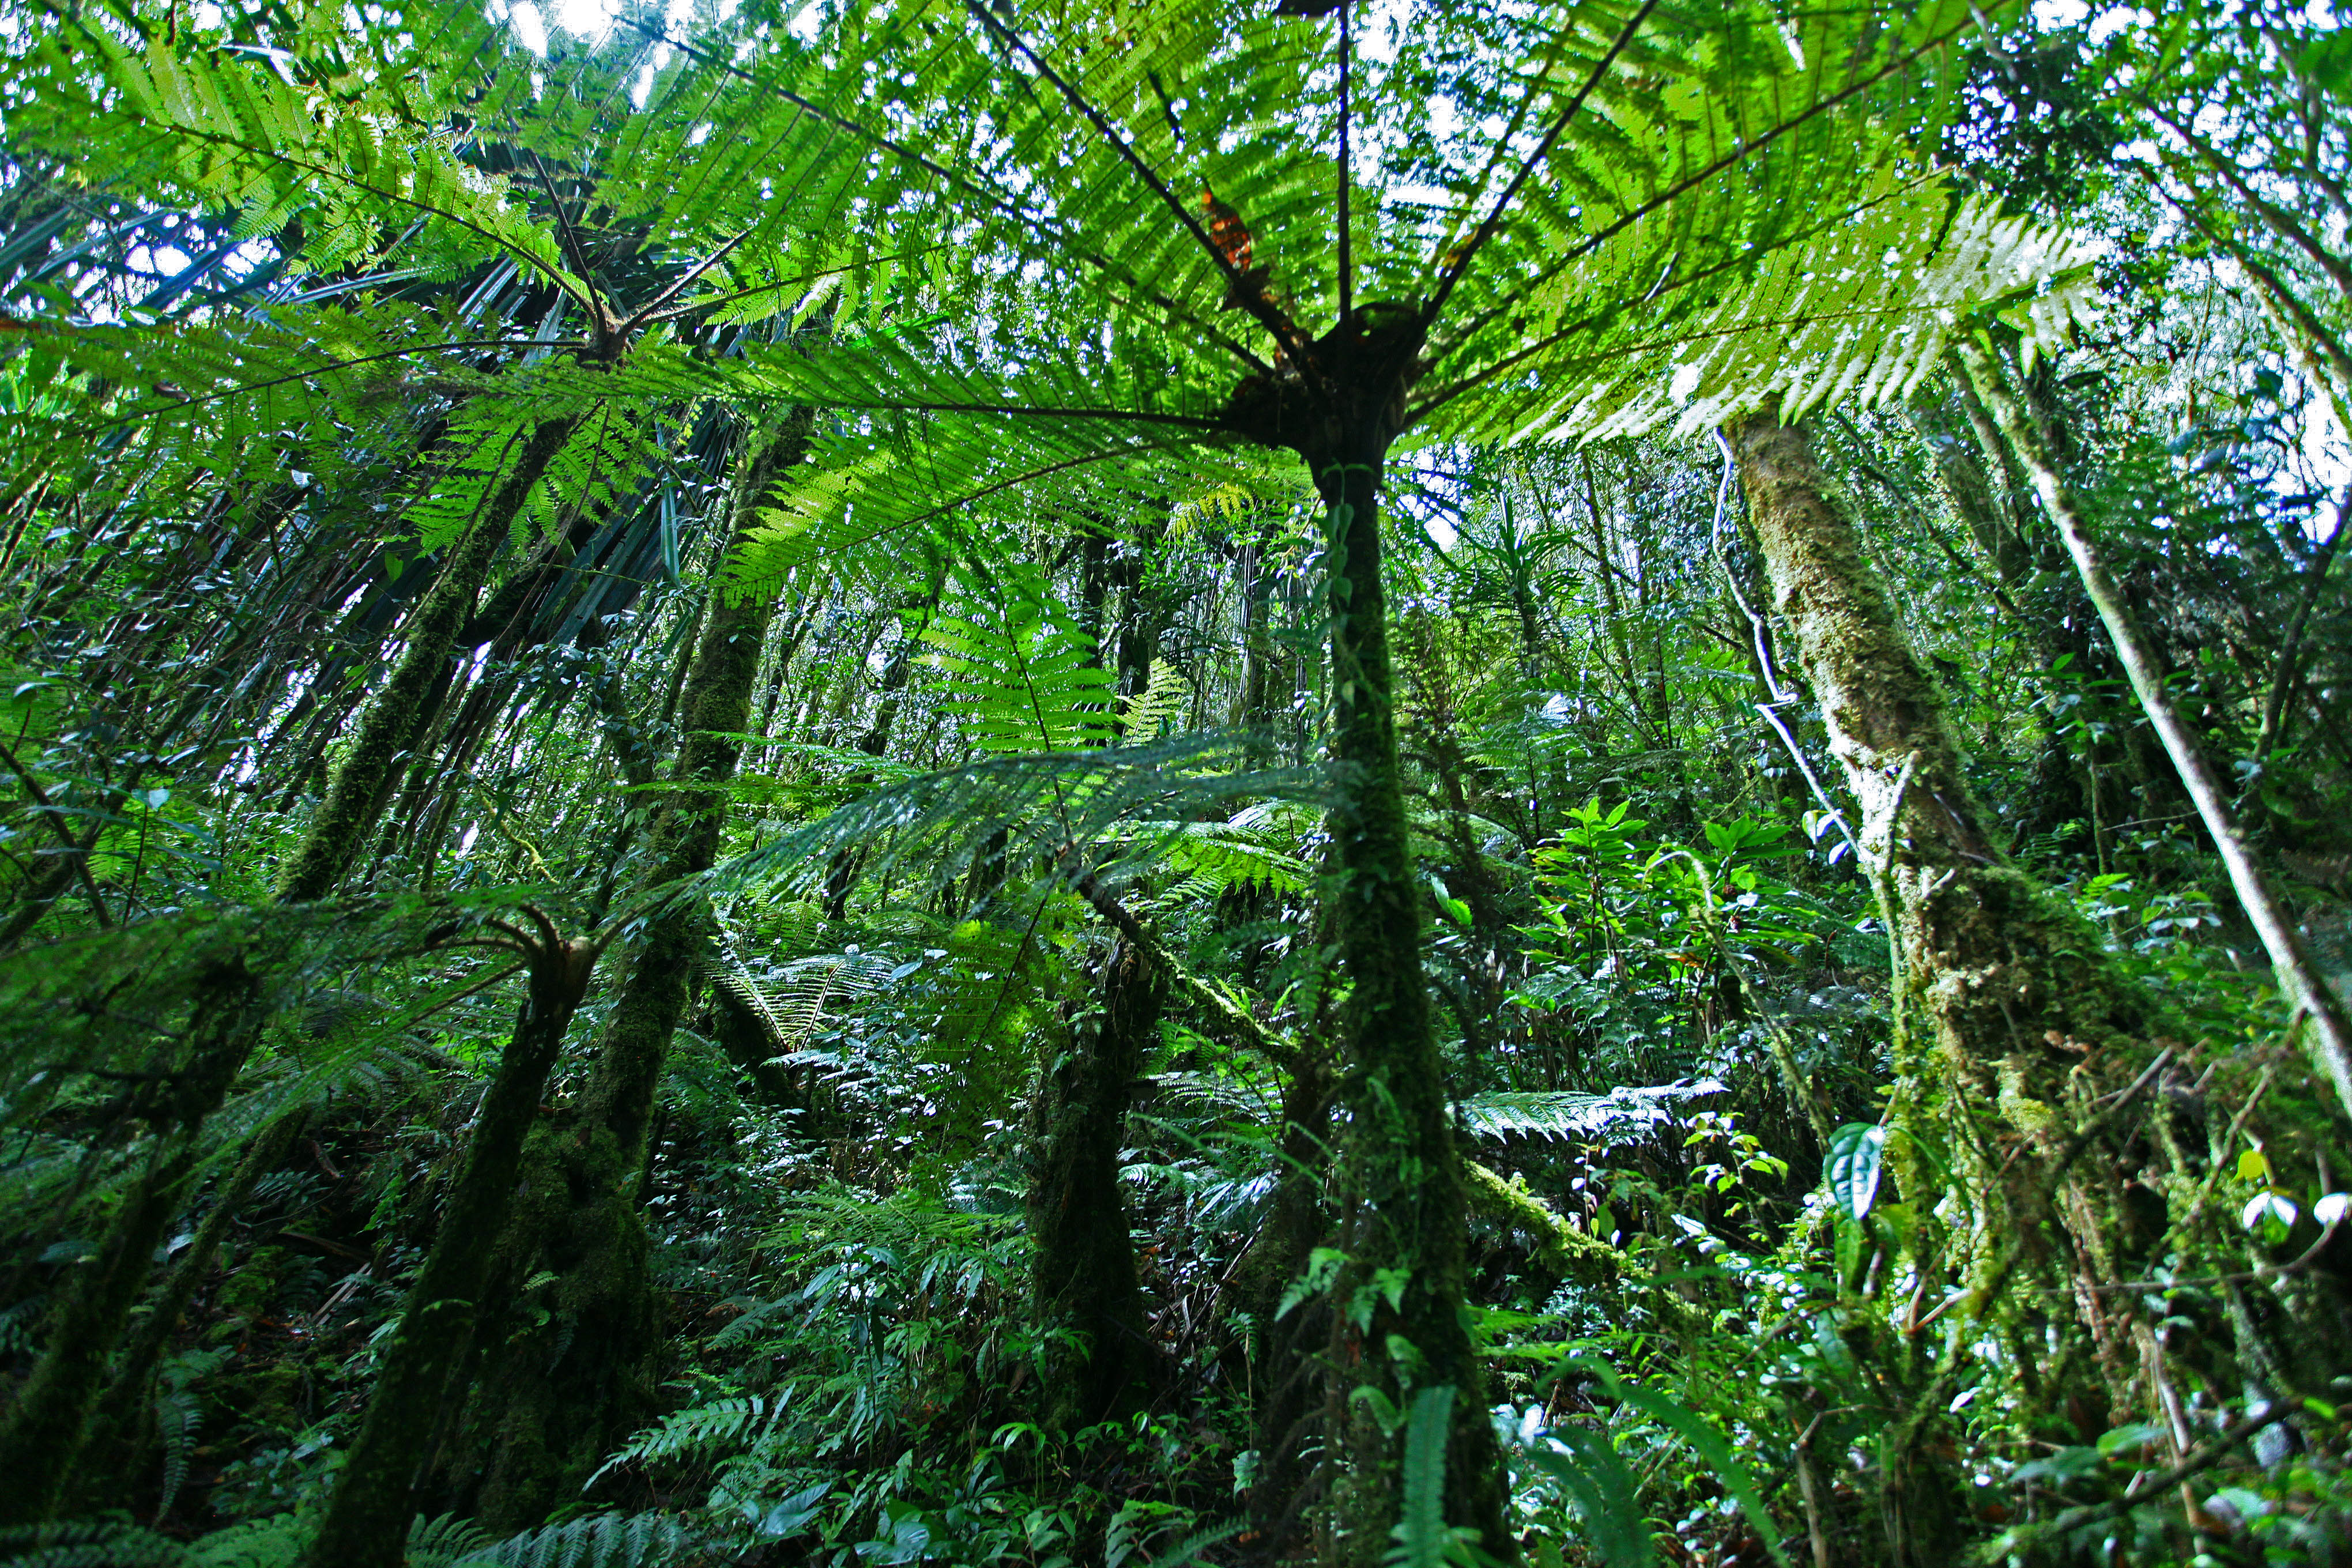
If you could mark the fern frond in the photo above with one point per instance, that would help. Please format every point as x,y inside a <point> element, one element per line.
<point>1159,709</point>
<point>1422,1537</point>
<point>1859,314</point>
<point>278,1541</point>
<point>178,1416</point>
<point>1561,1113</point>
<point>86,1544</point>
<point>1058,800</point>
<point>600,1541</point>
<point>444,1540</point>
<point>1222,856</point>
<point>1021,676</point>
<point>691,1431</point>
<point>790,998</point>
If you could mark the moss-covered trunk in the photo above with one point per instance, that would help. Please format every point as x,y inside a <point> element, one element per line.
<point>367,1521</point>
<point>49,1423</point>
<point>1082,1266</point>
<point>2015,1026</point>
<point>340,827</point>
<point>115,1428</point>
<point>561,1398</point>
<point>1399,1324</point>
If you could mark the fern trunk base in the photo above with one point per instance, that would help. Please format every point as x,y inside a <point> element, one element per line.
<point>367,1521</point>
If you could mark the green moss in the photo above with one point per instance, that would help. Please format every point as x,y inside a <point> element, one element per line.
<point>368,1517</point>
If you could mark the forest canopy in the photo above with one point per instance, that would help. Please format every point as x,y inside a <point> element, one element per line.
<point>1230,781</point>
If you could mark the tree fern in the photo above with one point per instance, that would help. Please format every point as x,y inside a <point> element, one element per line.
<point>1725,211</point>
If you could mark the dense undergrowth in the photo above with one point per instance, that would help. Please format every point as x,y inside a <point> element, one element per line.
<point>1222,782</point>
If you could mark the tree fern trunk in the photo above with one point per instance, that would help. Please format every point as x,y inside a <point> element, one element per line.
<point>1404,1222</point>
<point>564,1397</point>
<point>367,1521</point>
<point>341,824</point>
<point>1083,1268</point>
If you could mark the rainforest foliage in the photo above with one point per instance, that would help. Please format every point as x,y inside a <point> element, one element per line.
<point>1191,781</point>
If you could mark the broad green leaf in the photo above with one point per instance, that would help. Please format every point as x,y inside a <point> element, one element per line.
<point>1856,1158</point>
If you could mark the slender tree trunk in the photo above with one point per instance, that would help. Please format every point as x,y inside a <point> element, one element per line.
<point>841,873</point>
<point>1083,1273</point>
<point>367,1521</point>
<point>51,876</point>
<point>563,1398</point>
<point>341,824</point>
<point>1404,1227</point>
<point>44,1434</point>
<point>2331,1026</point>
<point>49,1422</point>
<point>2290,654</point>
<point>113,1432</point>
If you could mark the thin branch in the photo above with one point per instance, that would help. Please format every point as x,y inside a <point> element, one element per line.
<point>2005,1550</point>
<point>2280,222</point>
<point>2314,578</point>
<point>75,855</point>
<point>2268,1271</point>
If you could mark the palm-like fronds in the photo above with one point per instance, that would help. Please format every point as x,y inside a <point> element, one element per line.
<point>1692,209</point>
<point>1056,803</point>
